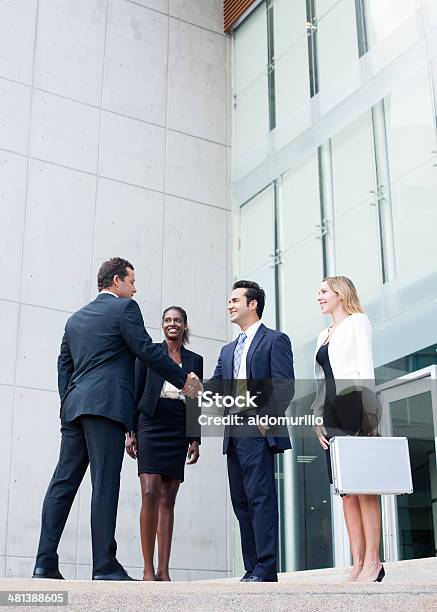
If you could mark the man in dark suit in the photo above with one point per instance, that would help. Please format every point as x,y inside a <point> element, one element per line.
<point>96,369</point>
<point>262,358</point>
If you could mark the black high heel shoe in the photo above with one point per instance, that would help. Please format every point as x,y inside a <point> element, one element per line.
<point>381,575</point>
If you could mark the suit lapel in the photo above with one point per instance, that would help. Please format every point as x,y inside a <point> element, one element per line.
<point>252,348</point>
<point>229,362</point>
<point>186,360</point>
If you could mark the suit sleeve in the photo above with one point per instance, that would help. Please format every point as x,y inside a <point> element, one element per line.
<point>141,345</point>
<point>282,373</point>
<point>215,383</point>
<point>363,341</point>
<point>140,383</point>
<point>218,368</point>
<point>194,431</point>
<point>65,366</point>
<point>363,338</point>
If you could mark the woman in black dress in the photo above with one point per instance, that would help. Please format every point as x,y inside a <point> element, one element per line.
<point>167,436</point>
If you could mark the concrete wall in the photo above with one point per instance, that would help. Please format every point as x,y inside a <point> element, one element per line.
<point>114,140</point>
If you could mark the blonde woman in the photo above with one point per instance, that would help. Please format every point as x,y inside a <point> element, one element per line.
<point>346,401</point>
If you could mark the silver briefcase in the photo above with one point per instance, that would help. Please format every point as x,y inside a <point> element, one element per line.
<point>370,465</point>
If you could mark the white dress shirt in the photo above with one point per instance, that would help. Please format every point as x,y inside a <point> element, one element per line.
<point>250,333</point>
<point>169,391</point>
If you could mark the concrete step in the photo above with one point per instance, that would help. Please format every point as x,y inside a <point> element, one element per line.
<point>408,586</point>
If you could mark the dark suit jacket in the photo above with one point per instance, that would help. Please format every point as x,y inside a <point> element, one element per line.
<point>270,376</point>
<point>96,365</point>
<point>148,386</point>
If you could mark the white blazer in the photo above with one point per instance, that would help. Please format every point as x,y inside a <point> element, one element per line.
<point>350,355</point>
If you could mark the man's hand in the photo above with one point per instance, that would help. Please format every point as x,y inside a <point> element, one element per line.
<point>262,430</point>
<point>131,444</point>
<point>193,387</point>
<point>321,433</point>
<point>193,453</point>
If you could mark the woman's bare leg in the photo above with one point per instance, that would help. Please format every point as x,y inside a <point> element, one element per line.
<point>169,489</point>
<point>371,519</point>
<point>352,516</point>
<point>150,496</point>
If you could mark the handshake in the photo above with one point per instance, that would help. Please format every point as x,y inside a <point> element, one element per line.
<point>193,387</point>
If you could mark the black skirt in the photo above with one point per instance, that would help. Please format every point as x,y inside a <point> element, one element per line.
<point>162,443</point>
<point>342,417</point>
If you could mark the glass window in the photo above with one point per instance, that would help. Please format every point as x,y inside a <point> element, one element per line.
<point>410,124</point>
<point>257,238</point>
<point>412,417</point>
<point>257,247</point>
<point>384,18</point>
<point>338,65</point>
<point>433,66</point>
<point>300,210</point>
<point>301,270</point>
<point>251,85</point>
<point>301,276</point>
<point>250,49</point>
<point>312,504</point>
<point>429,10</point>
<point>292,91</point>
<point>414,201</point>
<point>353,165</point>
<point>324,6</point>
<point>290,18</point>
<point>357,245</point>
<point>363,43</point>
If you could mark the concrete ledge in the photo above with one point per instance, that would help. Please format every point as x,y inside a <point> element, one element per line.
<point>412,571</point>
<point>408,584</point>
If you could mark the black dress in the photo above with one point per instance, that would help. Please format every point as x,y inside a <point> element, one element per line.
<point>162,442</point>
<point>342,414</point>
<point>164,427</point>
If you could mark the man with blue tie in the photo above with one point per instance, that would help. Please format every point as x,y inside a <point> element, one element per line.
<point>262,358</point>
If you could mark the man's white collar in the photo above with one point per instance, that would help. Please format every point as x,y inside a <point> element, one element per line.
<point>110,292</point>
<point>252,329</point>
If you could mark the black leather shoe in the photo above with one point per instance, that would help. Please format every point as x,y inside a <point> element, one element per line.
<point>246,577</point>
<point>42,572</point>
<point>258,579</point>
<point>119,574</point>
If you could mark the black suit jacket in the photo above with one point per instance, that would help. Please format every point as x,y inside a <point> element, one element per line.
<point>270,378</point>
<point>148,386</point>
<point>96,365</point>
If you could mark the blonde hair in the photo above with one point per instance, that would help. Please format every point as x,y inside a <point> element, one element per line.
<point>345,289</point>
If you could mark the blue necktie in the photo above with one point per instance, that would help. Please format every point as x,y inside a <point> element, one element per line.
<point>238,353</point>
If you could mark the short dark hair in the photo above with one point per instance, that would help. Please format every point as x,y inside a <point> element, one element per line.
<point>186,336</point>
<point>116,266</point>
<point>253,292</point>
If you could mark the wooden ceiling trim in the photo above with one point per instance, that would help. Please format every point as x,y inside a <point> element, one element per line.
<point>233,10</point>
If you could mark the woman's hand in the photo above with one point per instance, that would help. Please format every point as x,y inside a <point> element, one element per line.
<point>193,453</point>
<point>320,432</point>
<point>131,444</point>
<point>369,425</point>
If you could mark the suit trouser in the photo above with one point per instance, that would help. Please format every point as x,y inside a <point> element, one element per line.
<point>253,494</point>
<point>99,442</point>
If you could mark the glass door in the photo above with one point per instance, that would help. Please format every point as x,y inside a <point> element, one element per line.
<point>409,522</point>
